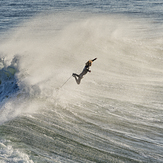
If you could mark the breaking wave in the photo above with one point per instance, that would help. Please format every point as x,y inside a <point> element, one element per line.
<point>116,105</point>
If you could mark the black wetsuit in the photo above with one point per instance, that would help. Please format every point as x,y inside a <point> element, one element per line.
<point>85,70</point>
<point>80,76</point>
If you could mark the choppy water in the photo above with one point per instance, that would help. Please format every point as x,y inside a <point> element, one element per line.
<point>114,115</point>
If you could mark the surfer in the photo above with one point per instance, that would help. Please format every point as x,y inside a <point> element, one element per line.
<point>85,70</point>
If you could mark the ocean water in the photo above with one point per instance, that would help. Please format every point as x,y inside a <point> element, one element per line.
<point>115,115</point>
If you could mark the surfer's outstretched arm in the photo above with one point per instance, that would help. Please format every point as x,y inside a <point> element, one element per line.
<point>94,59</point>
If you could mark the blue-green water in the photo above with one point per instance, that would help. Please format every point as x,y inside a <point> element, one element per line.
<point>114,115</point>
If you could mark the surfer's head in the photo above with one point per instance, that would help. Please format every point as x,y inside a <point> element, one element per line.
<point>89,63</point>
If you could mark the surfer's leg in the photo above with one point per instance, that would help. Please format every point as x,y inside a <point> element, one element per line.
<point>75,75</point>
<point>77,78</point>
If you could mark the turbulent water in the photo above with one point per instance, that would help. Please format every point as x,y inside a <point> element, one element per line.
<point>116,113</point>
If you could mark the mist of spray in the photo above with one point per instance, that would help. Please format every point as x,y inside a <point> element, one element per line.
<point>47,49</point>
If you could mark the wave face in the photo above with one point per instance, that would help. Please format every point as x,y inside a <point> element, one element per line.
<point>114,115</point>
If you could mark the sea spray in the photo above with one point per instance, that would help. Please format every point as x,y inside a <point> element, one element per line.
<point>114,115</point>
<point>47,57</point>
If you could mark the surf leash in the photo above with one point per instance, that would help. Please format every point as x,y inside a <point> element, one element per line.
<point>65,82</point>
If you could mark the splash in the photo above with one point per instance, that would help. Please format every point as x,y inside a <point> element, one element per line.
<point>9,154</point>
<point>41,54</point>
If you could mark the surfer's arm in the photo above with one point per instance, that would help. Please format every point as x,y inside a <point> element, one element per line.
<point>88,70</point>
<point>94,59</point>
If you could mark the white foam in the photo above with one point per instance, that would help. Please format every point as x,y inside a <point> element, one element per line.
<point>50,48</point>
<point>9,154</point>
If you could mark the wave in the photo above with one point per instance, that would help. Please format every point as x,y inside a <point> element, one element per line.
<point>113,106</point>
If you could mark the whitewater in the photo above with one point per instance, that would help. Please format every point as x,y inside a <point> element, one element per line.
<point>114,115</point>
